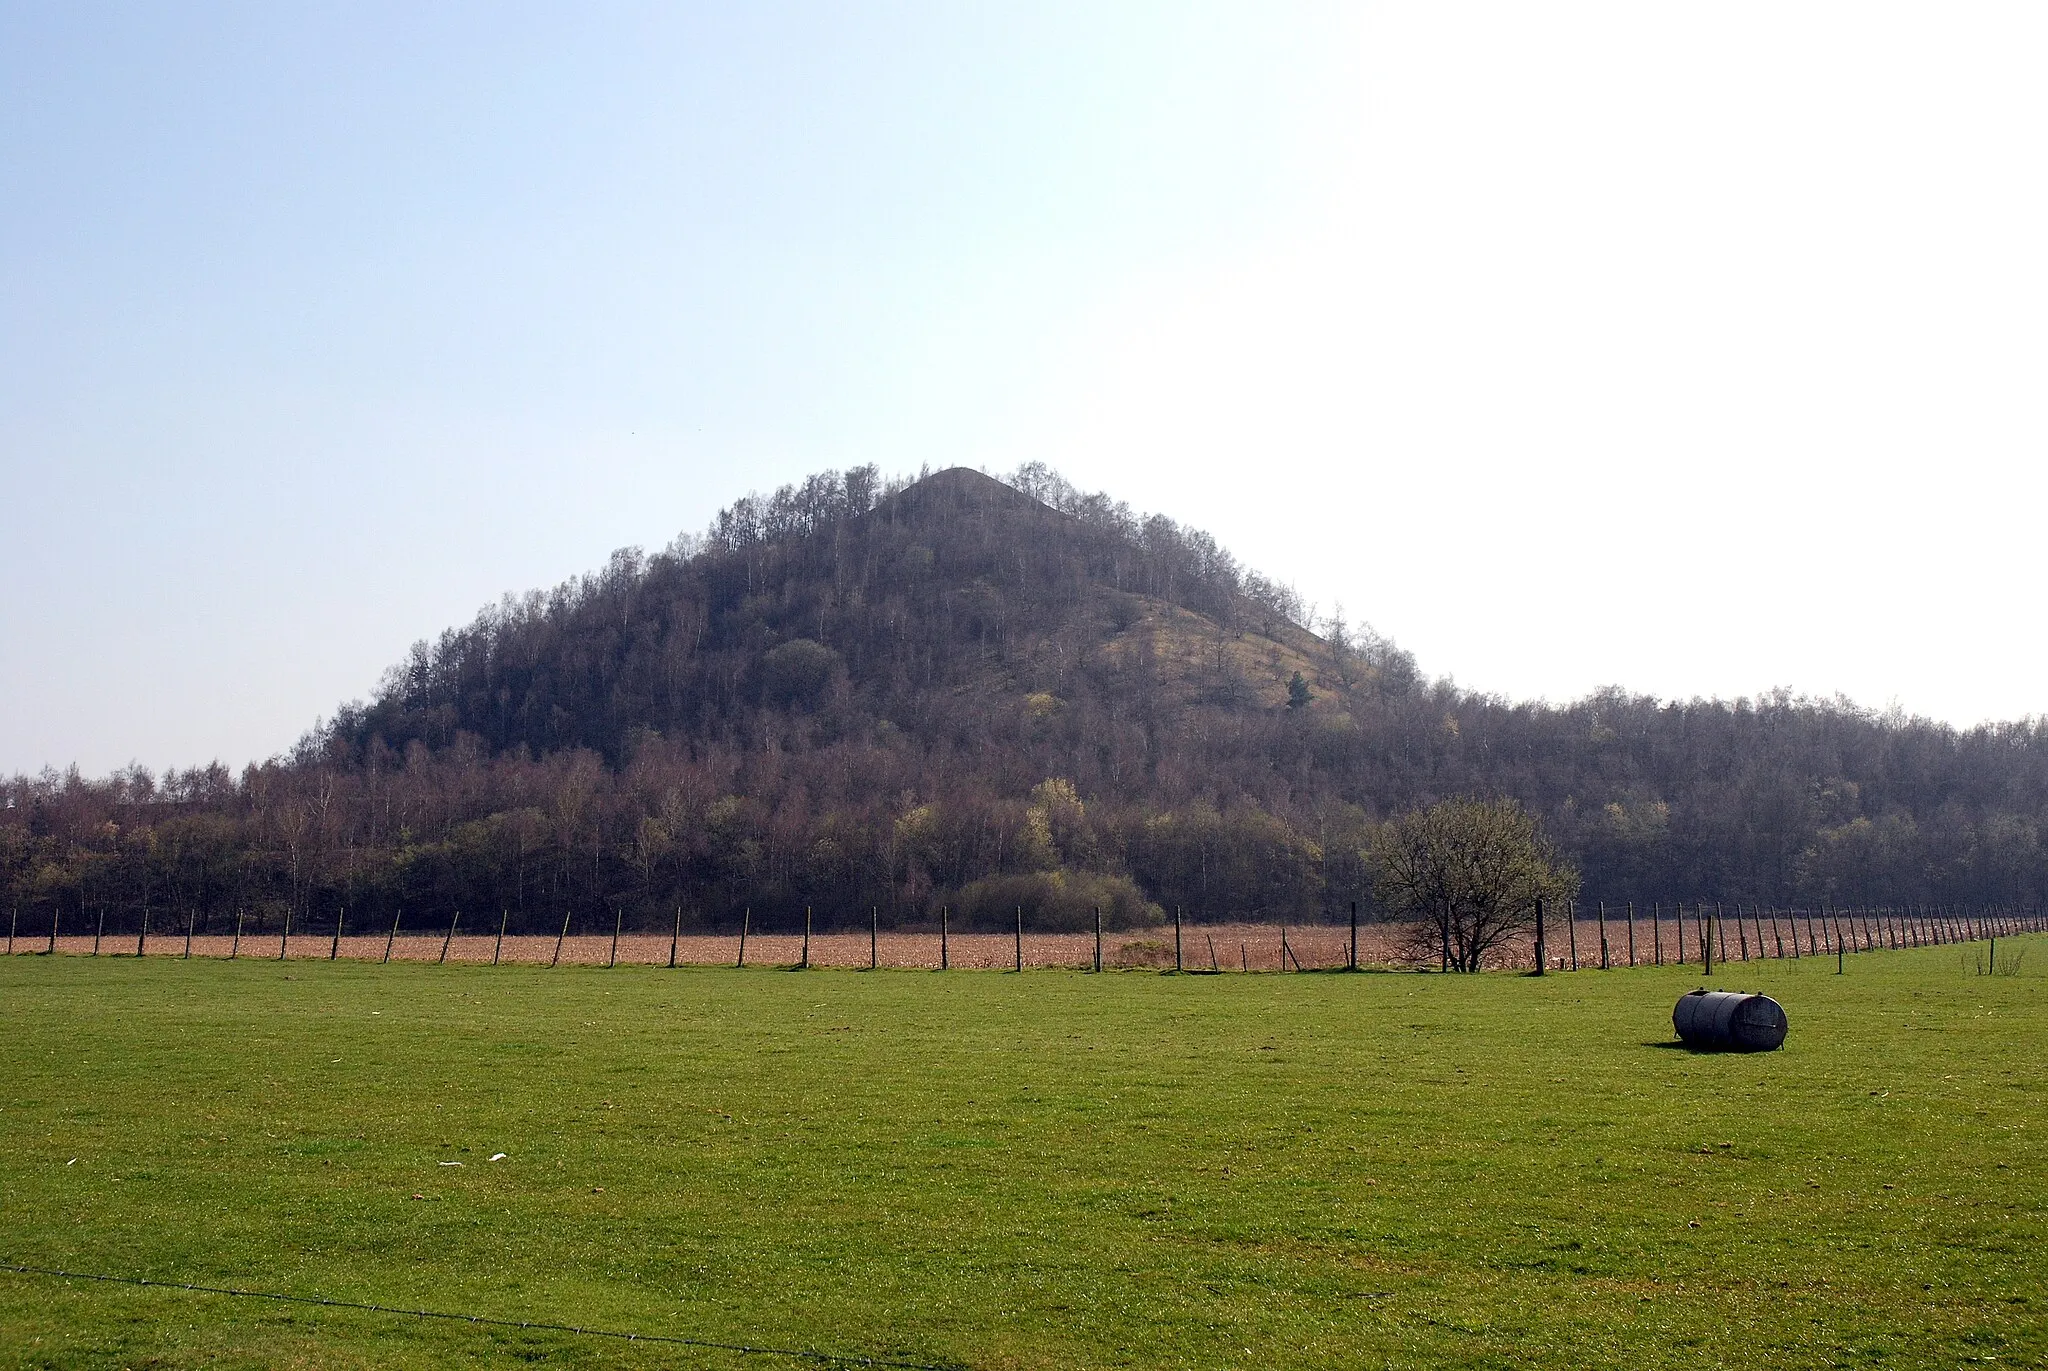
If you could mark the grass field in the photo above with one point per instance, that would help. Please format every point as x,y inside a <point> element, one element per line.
<point>1045,1170</point>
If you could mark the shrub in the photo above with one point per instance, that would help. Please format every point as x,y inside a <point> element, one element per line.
<point>798,673</point>
<point>1054,901</point>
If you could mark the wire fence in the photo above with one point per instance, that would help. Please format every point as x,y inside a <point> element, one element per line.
<point>1578,938</point>
<point>1719,934</point>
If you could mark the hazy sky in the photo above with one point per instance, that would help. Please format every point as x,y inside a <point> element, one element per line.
<point>1697,349</point>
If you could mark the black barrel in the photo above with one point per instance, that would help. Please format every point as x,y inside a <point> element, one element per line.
<point>1727,1021</point>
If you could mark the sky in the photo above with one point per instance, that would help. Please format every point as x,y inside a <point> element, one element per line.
<point>1698,350</point>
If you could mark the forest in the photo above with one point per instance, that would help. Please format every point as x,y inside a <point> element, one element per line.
<point>898,694</point>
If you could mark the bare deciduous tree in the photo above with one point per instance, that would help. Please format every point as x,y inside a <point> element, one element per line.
<point>1470,872</point>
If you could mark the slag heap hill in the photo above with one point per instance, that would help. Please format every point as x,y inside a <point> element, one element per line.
<point>988,694</point>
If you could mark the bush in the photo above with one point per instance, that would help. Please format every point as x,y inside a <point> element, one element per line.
<point>1054,902</point>
<point>798,673</point>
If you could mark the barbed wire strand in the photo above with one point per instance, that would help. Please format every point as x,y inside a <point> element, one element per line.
<point>799,1354</point>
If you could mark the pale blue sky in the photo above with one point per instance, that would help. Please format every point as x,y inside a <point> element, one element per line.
<point>1699,352</point>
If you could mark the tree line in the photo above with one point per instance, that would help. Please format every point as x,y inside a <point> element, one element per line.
<point>863,693</point>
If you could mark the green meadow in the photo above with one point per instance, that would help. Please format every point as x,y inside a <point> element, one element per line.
<point>1050,1169</point>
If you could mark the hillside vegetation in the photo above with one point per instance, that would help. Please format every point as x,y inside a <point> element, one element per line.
<point>986,694</point>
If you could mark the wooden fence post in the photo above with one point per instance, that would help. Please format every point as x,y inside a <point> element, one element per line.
<point>1571,929</point>
<point>1352,964</point>
<point>618,921</point>
<point>806,963</point>
<point>1098,937</point>
<point>746,917</point>
<point>1020,937</point>
<point>190,915</point>
<point>1176,938</point>
<point>874,946</point>
<point>560,938</point>
<point>453,920</point>
<point>99,929</point>
<point>675,937</point>
<point>284,939</point>
<point>497,948</point>
<point>1631,932</point>
<point>1656,932</point>
<point>333,948</point>
<point>1602,913</point>
<point>393,936</point>
<point>1542,953</point>
<point>235,948</point>
<point>945,945</point>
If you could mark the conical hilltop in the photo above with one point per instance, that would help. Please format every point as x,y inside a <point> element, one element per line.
<point>955,612</point>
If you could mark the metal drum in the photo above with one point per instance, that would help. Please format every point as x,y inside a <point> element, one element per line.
<point>1727,1021</point>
